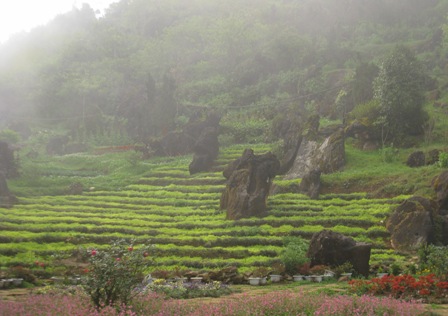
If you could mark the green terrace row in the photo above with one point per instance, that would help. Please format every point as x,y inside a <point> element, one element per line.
<point>212,220</point>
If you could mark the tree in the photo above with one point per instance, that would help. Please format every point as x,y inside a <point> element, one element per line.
<point>399,88</point>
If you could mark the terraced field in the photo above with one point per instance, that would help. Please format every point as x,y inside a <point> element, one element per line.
<point>180,214</point>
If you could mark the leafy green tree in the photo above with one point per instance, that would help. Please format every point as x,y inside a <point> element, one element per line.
<point>399,88</point>
<point>362,86</point>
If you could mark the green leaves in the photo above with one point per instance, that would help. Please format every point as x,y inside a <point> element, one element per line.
<point>114,273</point>
<point>399,88</point>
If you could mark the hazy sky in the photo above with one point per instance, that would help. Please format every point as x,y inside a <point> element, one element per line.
<point>22,15</point>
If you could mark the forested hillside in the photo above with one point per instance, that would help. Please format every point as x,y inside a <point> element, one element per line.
<point>146,65</point>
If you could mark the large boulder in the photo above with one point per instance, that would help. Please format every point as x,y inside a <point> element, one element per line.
<point>311,184</point>
<point>205,150</point>
<point>327,157</point>
<point>249,179</point>
<point>334,249</point>
<point>411,224</point>
<point>416,159</point>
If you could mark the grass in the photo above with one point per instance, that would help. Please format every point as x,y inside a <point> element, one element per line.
<point>159,201</point>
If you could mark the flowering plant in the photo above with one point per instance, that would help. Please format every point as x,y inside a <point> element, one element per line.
<point>114,273</point>
<point>402,286</point>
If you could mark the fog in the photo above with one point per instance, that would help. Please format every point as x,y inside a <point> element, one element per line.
<point>92,76</point>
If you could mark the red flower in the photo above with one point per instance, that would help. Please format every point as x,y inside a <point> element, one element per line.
<point>86,270</point>
<point>118,259</point>
<point>42,264</point>
<point>424,292</point>
<point>130,248</point>
<point>145,254</point>
<point>93,252</point>
<point>442,285</point>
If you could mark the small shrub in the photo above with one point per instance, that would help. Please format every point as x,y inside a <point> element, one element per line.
<point>346,267</point>
<point>181,290</point>
<point>443,160</point>
<point>389,154</point>
<point>114,273</point>
<point>433,258</point>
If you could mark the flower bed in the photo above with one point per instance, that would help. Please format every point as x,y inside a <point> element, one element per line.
<point>274,303</point>
<point>427,287</point>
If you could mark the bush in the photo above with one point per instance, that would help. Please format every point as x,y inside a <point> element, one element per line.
<point>179,289</point>
<point>114,273</point>
<point>443,160</point>
<point>294,254</point>
<point>9,136</point>
<point>433,258</point>
<point>389,154</point>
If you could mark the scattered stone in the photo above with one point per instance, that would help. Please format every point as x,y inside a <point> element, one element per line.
<point>249,179</point>
<point>334,249</point>
<point>416,159</point>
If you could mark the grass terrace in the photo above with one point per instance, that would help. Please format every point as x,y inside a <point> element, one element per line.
<point>179,213</point>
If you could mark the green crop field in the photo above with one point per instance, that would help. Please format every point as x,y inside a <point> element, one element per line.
<point>180,214</point>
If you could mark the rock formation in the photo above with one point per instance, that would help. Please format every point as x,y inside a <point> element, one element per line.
<point>327,157</point>
<point>310,184</point>
<point>205,150</point>
<point>334,249</point>
<point>411,224</point>
<point>249,179</point>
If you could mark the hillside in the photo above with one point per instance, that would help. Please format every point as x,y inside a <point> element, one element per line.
<point>180,214</point>
<point>147,69</point>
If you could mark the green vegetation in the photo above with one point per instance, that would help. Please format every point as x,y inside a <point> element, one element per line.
<point>183,218</point>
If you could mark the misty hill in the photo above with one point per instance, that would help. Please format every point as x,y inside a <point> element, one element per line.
<point>146,66</point>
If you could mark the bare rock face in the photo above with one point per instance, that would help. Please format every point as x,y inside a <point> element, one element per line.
<point>205,150</point>
<point>334,249</point>
<point>416,159</point>
<point>412,224</point>
<point>327,157</point>
<point>249,179</point>
<point>331,155</point>
<point>310,184</point>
